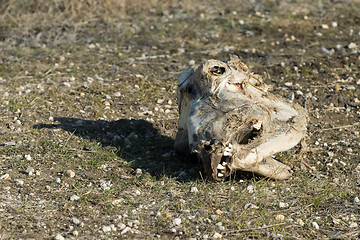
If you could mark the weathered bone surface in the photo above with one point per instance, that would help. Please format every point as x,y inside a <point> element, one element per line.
<point>230,121</point>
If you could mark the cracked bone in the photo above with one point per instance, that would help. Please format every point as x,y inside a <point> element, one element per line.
<point>228,117</point>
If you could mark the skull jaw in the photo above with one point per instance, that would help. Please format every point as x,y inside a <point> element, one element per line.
<point>220,167</point>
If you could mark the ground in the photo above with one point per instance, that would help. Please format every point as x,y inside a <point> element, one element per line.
<point>88,116</point>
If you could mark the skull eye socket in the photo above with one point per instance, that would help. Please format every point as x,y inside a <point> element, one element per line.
<point>217,70</point>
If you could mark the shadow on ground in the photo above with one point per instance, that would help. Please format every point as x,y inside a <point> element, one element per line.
<point>138,142</point>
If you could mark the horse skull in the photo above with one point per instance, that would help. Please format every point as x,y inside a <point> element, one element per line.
<point>231,122</point>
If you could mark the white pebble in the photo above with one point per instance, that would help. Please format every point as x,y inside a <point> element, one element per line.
<point>28,157</point>
<point>76,221</point>
<point>160,101</point>
<point>314,225</point>
<point>30,171</point>
<point>137,192</point>
<point>192,62</point>
<point>57,180</point>
<point>121,226</point>
<point>353,224</point>
<point>74,197</point>
<point>5,176</point>
<point>217,235</point>
<point>125,230</point>
<point>300,222</point>
<point>280,217</point>
<point>352,45</point>
<point>325,26</point>
<point>66,84</point>
<point>283,205</point>
<point>75,233</point>
<point>19,182</point>
<point>250,206</point>
<point>177,221</point>
<point>250,188</point>
<point>334,24</point>
<point>59,237</point>
<point>70,173</point>
<point>356,200</point>
<point>106,229</point>
<point>194,190</point>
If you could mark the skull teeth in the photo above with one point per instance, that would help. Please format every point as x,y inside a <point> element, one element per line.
<point>220,167</point>
<point>227,154</point>
<point>228,150</point>
<point>257,125</point>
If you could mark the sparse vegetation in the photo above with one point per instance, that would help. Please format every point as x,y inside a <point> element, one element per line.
<point>90,86</point>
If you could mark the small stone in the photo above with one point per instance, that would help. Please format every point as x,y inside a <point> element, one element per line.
<point>75,233</point>
<point>121,226</point>
<point>137,192</point>
<point>300,222</point>
<point>334,24</point>
<point>283,205</point>
<point>74,197</point>
<point>106,229</point>
<point>194,190</point>
<point>160,101</point>
<point>280,217</point>
<point>325,26</point>
<point>125,230</point>
<point>76,221</point>
<point>356,200</point>
<point>70,173</point>
<point>5,176</point>
<point>66,84</point>
<point>30,171</point>
<point>28,157</point>
<point>117,201</point>
<point>336,221</point>
<point>57,180</point>
<point>314,225</point>
<point>192,62</point>
<point>59,237</point>
<point>219,212</point>
<point>250,188</point>
<point>217,236</point>
<point>291,96</point>
<point>353,224</point>
<point>250,206</point>
<point>113,228</point>
<point>138,172</point>
<point>177,221</point>
<point>352,45</point>
<point>19,182</point>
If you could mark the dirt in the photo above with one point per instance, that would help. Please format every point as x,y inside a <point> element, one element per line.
<point>95,93</point>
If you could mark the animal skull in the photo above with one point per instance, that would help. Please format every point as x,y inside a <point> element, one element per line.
<point>231,122</point>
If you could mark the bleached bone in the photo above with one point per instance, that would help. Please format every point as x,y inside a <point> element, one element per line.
<point>228,117</point>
